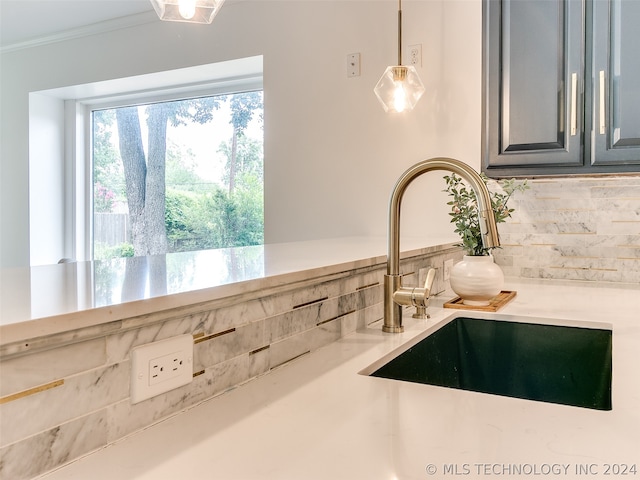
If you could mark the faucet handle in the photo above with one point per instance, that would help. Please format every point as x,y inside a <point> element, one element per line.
<point>428,283</point>
<point>421,310</point>
<point>416,296</point>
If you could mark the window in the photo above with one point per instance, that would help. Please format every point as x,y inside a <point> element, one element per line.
<point>72,129</point>
<point>178,175</point>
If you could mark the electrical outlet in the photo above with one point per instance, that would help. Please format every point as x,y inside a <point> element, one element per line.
<point>448,265</point>
<point>161,366</point>
<point>415,55</point>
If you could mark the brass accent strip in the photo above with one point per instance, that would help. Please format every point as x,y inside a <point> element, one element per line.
<point>311,302</point>
<point>197,374</point>
<point>368,286</point>
<point>258,350</point>
<point>31,391</point>
<point>334,318</point>
<point>568,268</point>
<point>585,268</point>
<point>326,321</point>
<point>375,321</point>
<point>290,360</point>
<point>213,335</point>
<point>198,335</point>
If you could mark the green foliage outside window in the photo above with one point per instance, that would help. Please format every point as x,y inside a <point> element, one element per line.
<point>197,213</point>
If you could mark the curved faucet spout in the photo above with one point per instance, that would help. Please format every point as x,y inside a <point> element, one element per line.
<point>488,227</point>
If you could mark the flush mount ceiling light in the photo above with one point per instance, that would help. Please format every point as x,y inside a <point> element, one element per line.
<point>193,11</point>
<point>400,87</point>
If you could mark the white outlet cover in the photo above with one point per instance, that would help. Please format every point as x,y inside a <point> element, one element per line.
<point>414,55</point>
<point>178,349</point>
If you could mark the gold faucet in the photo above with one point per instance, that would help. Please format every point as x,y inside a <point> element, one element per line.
<point>395,295</point>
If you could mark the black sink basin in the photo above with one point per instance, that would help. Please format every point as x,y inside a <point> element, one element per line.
<point>548,363</point>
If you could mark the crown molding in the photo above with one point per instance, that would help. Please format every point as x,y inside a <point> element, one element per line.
<point>85,31</point>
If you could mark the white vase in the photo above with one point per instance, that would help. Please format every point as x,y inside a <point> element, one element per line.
<point>476,279</point>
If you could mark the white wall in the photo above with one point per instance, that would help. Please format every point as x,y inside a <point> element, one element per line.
<point>46,183</point>
<point>331,154</point>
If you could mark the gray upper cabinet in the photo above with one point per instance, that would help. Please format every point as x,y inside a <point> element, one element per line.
<point>615,75</point>
<point>561,87</point>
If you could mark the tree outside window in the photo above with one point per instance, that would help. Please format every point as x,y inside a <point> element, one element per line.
<point>178,176</point>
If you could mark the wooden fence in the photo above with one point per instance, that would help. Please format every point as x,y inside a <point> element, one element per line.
<point>111,229</point>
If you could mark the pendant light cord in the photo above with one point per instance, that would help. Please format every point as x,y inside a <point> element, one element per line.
<point>399,32</point>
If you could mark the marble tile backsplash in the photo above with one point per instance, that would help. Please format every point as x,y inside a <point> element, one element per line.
<point>70,397</point>
<point>585,228</point>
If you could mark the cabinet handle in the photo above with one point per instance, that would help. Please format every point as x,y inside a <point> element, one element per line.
<point>603,125</point>
<point>574,102</point>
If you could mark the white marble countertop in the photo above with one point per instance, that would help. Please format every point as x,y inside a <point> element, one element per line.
<point>50,299</point>
<point>318,418</point>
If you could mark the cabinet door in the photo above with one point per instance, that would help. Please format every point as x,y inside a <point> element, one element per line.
<point>616,83</point>
<point>533,114</point>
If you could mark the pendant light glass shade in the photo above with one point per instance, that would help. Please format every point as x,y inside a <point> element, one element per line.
<point>399,89</point>
<point>193,11</point>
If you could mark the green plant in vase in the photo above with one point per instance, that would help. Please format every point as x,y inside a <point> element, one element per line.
<point>464,209</point>
<point>477,279</point>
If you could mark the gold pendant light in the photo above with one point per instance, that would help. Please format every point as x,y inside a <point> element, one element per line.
<point>400,87</point>
<point>193,11</point>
